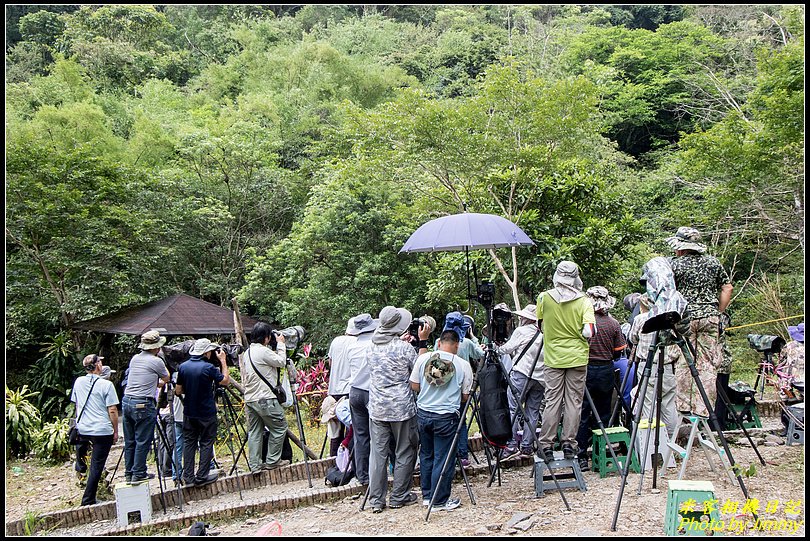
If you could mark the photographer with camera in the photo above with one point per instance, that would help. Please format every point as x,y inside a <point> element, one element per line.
<point>707,288</point>
<point>197,379</point>
<point>146,372</point>
<point>97,412</point>
<point>471,351</point>
<point>340,373</point>
<point>527,343</point>
<point>261,370</point>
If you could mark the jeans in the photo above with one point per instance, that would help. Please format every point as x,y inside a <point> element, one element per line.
<point>177,466</point>
<point>358,402</point>
<point>533,400</point>
<point>200,433</point>
<point>101,450</point>
<point>140,416</point>
<point>600,383</point>
<point>268,413</point>
<point>436,433</point>
<point>82,448</point>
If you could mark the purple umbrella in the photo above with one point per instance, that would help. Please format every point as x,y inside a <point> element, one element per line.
<point>463,231</point>
<point>459,232</point>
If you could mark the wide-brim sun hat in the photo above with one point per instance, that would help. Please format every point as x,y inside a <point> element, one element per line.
<point>686,238</point>
<point>393,322</point>
<point>797,332</point>
<point>151,340</point>
<point>202,346</point>
<point>361,324</point>
<point>529,312</point>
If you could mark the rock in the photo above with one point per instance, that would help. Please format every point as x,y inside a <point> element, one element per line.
<point>655,491</point>
<point>482,530</point>
<point>546,522</point>
<point>588,533</point>
<point>526,524</point>
<point>504,507</point>
<point>516,518</point>
<point>774,438</point>
<point>251,521</point>
<point>772,444</point>
<point>634,518</point>
<point>493,527</point>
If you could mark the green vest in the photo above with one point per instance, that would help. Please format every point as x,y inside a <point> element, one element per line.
<point>565,347</point>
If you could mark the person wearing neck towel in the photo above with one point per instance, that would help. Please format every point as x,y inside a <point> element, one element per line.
<point>392,409</point>
<point>567,320</point>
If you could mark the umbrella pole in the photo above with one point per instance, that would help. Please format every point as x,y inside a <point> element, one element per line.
<point>469,289</point>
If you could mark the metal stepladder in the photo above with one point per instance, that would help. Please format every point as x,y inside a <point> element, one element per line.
<point>701,433</point>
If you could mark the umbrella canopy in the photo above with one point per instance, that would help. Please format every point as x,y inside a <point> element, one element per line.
<point>459,232</point>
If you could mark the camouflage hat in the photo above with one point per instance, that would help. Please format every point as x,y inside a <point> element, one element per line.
<point>600,298</point>
<point>438,371</point>
<point>687,238</point>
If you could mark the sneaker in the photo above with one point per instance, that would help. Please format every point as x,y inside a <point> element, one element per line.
<point>275,465</point>
<point>465,462</point>
<point>547,454</point>
<point>583,464</point>
<point>377,508</point>
<point>526,452</point>
<point>426,502</point>
<point>212,477</point>
<point>451,504</point>
<point>410,500</point>
<point>568,451</point>
<point>508,452</point>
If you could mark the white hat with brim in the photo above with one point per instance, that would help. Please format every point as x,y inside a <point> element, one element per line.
<point>529,312</point>
<point>202,346</point>
<point>361,324</point>
<point>151,340</point>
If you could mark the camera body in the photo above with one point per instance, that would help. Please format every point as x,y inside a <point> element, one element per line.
<point>414,328</point>
<point>766,343</point>
<point>500,325</point>
<point>486,293</point>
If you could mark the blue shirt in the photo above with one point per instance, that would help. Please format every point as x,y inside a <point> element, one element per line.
<point>447,398</point>
<point>95,421</point>
<point>197,376</point>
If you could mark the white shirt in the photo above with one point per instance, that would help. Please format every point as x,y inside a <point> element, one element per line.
<point>340,368</point>
<point>517,343</point>
<point>361,377</point>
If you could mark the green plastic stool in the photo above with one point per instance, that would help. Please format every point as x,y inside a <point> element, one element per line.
<point>750,416</point>
<point>686,512</point>
<point>602,460</point>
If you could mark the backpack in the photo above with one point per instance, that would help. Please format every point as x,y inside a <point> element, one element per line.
<point>496,424</point>
<point>336,477</point>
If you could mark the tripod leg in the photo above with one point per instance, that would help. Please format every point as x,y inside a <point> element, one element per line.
<point>228,407</point>
<point>466,481</point>
<point>159,474</point>
<point>645,378</point>
<point>323,447</point>
<point>738,418</point>
<point>605,435</point>
<point>620,403</point>
<point>303,436</point>
<point>161,428</point>
<point>688,354</point>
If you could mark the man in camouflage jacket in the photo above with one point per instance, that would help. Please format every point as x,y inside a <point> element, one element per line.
<point>705,284</point>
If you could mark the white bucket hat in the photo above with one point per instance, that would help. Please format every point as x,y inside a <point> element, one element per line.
<point>202,346</point>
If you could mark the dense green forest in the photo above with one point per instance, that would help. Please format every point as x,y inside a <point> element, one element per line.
<point>283,154</point>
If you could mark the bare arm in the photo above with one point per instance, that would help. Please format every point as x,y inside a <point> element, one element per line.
<point>178,390</point>
<point>112,411</point>
<point>415,386</point>
<point>725,297</point>
<point>226,375</point>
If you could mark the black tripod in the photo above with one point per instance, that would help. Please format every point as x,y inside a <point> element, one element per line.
<point>160,428</point>
<point>766,370</point>
<point>230,420</point>
<point>666,333</point>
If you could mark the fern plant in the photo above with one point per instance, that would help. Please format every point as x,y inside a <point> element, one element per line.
<point>52,441</point>
<point>22,421</point>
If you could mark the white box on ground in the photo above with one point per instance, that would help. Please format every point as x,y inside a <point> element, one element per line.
<point>129,498</point>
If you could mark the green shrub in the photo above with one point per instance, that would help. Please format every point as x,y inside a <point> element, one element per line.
<point>53,374</point>
<point>22,421</point>
<point>52,441</point>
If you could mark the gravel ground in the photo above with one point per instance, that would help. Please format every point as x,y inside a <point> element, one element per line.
<point>513,507</point>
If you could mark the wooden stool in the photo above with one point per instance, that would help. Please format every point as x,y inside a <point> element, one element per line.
<point>566,480</point>
<point>686,513</point>
<point>130,498</point>
<point>601,457</point>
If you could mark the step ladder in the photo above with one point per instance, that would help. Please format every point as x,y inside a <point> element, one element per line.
<point>544,482</point>
<point>701,433</point>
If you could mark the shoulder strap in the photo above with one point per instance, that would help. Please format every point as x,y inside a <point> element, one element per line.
<point>525,349</point>
<point>79,418</point>
<point>278,374</point>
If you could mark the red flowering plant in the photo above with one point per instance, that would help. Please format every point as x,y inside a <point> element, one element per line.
<point>313,384</point>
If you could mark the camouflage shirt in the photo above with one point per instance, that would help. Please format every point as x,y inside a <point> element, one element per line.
<point>699,279</point>
<point>390,397</point>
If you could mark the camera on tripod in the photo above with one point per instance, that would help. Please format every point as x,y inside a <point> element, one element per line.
<point>177,354</point>
<point>500,324</point>
<point>292,336</point>
<point>766,343</point>
<point>486,294</point>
